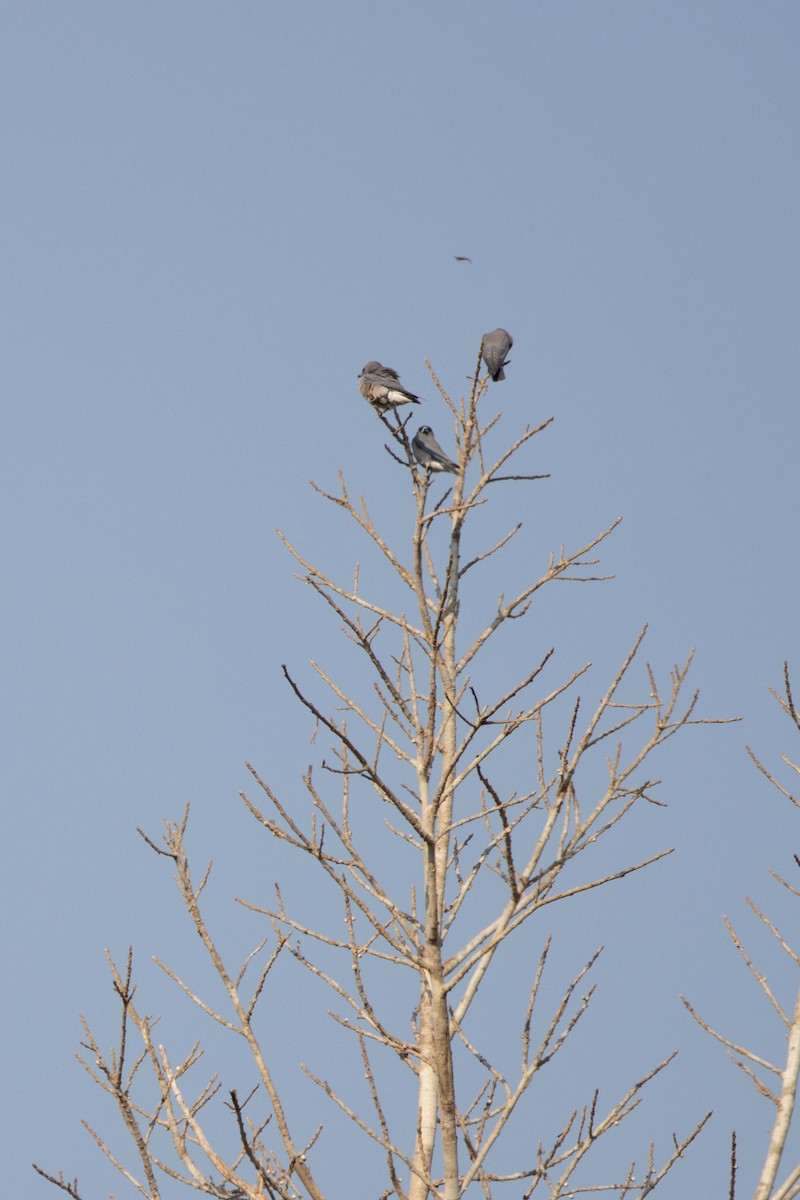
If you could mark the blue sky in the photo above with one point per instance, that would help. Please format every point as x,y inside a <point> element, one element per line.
<point>213,215</point>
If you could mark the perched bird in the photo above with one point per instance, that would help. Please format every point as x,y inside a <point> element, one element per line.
<point>429,453</point>
<point>494,348</point>
<point>382,387</point>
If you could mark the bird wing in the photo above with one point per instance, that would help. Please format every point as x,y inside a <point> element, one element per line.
<point>436,452</point>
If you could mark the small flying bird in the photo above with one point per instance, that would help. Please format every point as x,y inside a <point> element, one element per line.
<point>382,387</point>
<point>494,348</point>
<point>462,258</point>
<point>428,453</point>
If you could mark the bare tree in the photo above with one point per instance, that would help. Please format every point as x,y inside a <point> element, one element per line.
<point>783,1094</point>
<point>417,736</point>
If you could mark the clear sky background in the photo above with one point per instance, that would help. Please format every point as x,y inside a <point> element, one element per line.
<point>212,215</point>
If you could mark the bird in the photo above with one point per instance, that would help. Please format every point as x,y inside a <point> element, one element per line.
<point>494,348</point>
<point>462,258</point>
<point>382,387</point>
<point>429,453</point>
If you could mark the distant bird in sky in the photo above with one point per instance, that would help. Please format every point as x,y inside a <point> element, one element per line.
<point>462,258</point>
<point>429,453</point>
<point>494,348</point>
<point>382,387</point>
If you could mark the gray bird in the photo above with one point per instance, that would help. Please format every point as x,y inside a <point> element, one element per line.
<point>429,453</point>
<point>494,348</point>
<point>382,387</point>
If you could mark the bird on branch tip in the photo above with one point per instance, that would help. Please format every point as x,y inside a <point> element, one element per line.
<point>429,454</point>
<point>381,386</point>
<point>494,348</point>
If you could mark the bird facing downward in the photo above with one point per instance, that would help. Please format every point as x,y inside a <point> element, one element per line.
<point>494,348</point>
<point>382,387</point>
<point>429,453</point>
